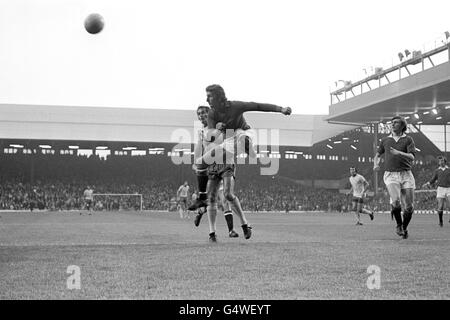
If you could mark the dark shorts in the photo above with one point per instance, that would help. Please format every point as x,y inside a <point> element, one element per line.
<point>183,200</point>
<point>201,166</point>
<point>219,171</point>
<point>357,200</point>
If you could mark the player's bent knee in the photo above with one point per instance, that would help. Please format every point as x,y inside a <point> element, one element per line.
<point>212,200</point>
<point>397,204</point>
<point>229,196</point>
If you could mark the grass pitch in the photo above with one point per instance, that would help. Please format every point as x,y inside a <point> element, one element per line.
<point>156,255</point>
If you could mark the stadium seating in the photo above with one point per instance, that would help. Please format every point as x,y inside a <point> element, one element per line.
<point>57,182</point>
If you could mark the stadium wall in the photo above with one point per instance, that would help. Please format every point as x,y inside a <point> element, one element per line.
<point>143,125</point>
<point>321,183</point>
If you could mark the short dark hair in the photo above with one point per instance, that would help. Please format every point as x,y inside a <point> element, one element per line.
<point>443,158</point>
<point>403,122</point>
<point>353,167</point>
<point>217,91</point>
<point>203,107</point>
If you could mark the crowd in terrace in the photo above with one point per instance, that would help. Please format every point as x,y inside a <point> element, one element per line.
<point>59,181</point>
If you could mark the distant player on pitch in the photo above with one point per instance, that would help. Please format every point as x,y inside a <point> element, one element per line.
<point>442,176</point>
<point>88,198</point>
<point>399,153</point>
<point>359,187</point>
<point>182,197</point>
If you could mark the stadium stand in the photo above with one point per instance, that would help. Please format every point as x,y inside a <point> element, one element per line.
<point>56,182</point>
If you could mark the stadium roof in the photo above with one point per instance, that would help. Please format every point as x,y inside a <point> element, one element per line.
<point>40,122</point>
<point>424,96</point>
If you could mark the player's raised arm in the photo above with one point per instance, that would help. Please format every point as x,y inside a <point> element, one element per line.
<point>262,107</point>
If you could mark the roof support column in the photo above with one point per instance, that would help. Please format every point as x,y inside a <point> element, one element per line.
<point>445,139</point>
<point>375,145</point>
<point>448,50</point>
<point>32,169</point>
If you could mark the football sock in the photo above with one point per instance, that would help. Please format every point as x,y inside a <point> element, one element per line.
<point>202,181</point>
<point>407,215</point>
<point>440,213</point>
<point>229,218</point>
<point>397,213</point>
<point>212,213</point>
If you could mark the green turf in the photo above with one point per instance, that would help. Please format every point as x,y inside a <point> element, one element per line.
<point>124,255</point>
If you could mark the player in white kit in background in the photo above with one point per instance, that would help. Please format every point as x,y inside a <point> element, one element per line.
<point>88,198</point>
<point>182,197</point>
<point>359,188</point>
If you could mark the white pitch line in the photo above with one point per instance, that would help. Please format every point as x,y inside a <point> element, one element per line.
<point>66,223</point>
<point>207,244</point>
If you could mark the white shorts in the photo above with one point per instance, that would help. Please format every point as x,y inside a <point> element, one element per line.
<point>228,145</point>
<point>404,179</point>
<point>236,140</point>
<point>443,192</point>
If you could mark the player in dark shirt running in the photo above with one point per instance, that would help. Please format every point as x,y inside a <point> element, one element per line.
<point>442,176</point>
<point>399,153</point>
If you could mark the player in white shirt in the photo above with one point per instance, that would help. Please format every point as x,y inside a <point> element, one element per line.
<point>88,198</point>
<point>182,196</point>
<point>359,188</point>
<point>201,168</point>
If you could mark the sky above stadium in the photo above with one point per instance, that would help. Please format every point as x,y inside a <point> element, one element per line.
<point>162,54</point>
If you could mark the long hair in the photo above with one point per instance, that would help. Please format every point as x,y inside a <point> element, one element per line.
<point>403,122</point>
<point>218,92</point>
